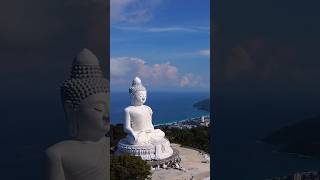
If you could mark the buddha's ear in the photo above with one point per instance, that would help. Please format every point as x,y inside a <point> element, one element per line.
<point>68,105</point>
<point>74,126</point>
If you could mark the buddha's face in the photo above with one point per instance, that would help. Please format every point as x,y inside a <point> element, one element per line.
<point>92,115</point>
<point>94,111</point>
<point>139,98</point>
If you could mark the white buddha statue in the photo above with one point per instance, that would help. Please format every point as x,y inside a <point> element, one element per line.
<point>142,139</point>
<point>85,99</point>
<point>138,117</point>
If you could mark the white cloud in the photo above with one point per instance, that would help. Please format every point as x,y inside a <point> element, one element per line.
<point>132,11</point>
<point>170,29</point>
<point>204,52</point>
<point>191,54</point>
<point>123,69</point>
<point>122,66</point>
<point>190,80</point>
<point>162,29</point>
<point>117,8</point>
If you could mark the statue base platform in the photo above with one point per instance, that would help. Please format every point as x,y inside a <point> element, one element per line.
<point>154,150</point>
<point>170,161</point>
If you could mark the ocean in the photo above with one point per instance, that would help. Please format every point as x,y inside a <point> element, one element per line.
<point>166,107</point>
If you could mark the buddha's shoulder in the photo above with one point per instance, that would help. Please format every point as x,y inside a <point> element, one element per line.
<point>147,107</point>
<point>61,147</point>
<point>129,108</point>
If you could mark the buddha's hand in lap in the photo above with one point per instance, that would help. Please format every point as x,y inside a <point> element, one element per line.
<point>148,131</point>
<point>134,135</point>
<point>138,137</point>
<point>143,137</point>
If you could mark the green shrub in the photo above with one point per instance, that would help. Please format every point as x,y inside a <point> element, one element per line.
<point>198,137</point>
<point>127,167</point>
<point>116,133</point>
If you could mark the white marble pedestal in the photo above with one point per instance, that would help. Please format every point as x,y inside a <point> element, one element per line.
<point>154,150</point>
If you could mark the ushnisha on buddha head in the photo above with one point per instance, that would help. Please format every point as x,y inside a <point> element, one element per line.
<point>85,98</point>
<point>137,92</point>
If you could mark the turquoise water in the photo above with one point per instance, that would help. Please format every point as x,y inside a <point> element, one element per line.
<point>167,107</point>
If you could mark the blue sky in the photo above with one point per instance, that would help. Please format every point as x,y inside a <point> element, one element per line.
<point>164,42</point>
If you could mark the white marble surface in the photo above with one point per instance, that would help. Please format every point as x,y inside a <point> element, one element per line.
<point>142,139</point>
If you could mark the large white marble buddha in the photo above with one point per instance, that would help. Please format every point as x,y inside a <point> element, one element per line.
<point>142,139</point>
<point>138,117</point>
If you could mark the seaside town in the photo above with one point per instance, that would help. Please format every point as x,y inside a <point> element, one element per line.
<point>188,123</point>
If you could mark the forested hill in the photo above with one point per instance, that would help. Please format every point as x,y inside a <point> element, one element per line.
<point>302,138</point>
<point>203,105</point>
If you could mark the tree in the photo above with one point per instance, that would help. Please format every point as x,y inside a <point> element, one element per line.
<point>198,137</point>
<point>127,167</point>
<point>116,133</point>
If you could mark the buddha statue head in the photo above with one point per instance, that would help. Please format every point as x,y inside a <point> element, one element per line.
<point>137,92</point>
<point>85,98</point>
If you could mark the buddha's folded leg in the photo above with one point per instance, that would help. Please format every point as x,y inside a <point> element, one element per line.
<point>141,138</point>
<point>157,134</point>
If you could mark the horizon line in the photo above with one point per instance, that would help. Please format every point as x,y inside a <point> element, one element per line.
<point>165,91</point>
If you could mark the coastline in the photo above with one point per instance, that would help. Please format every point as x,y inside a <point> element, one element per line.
<point>173,122</point>
<point>277,151</point>
<point>181,121</point>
